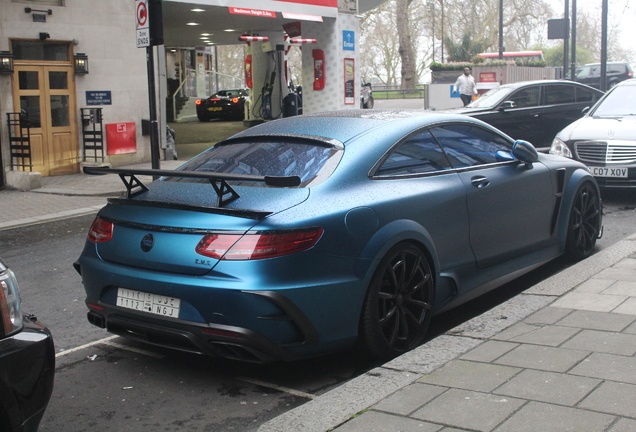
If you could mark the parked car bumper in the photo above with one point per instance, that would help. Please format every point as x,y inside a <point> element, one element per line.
<point>27,368</point>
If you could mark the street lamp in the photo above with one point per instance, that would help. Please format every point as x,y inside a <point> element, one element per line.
<point>81,64</point>
<point>6,62</point>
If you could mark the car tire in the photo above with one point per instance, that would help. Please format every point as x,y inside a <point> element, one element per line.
<point>584,223</point>
<point>397,309</point>
<point>203,119</point>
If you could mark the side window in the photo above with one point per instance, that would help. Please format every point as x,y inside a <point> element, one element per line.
<point>583,72</point>
<point>615,68</point>
<point>467,145</point>
<point>527,97</point>
<point>559,94</point>
<point>584,95</point>
<point>419,153</point>
<point>595,71</point>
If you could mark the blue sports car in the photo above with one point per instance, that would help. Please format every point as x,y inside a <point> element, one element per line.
<point>303,235</point>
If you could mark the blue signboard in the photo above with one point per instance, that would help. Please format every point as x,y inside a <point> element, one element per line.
<point>348,40</point>
<point>99,98</point>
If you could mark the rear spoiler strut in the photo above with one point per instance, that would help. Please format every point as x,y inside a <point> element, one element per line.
<point>218,181</point>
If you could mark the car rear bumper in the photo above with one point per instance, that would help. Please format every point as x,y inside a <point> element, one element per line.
<point>208,339</point>
<point>27,362</point>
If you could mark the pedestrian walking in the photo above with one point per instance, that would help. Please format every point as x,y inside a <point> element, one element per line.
<point>466,86</point>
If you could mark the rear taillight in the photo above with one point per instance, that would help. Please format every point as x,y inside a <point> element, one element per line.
<point>10,311</point>
<point>199,102</point>
<point>235,100</point>
<point>257,246</point>
<point>630,74</point>
<point>100,231</point>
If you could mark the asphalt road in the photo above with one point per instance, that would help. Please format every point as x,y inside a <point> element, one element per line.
<point>106,383</point>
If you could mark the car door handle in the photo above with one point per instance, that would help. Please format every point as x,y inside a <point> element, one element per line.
<point>480,181</point>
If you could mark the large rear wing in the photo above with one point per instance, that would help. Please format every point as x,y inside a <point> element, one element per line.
<point>219,181</point>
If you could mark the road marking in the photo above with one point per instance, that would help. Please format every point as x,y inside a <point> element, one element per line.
<point>107,341</point>
<point>277,387</point>
<point>81,347</point>
<point>133,349</point>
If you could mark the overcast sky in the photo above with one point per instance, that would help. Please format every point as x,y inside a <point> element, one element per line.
<point>620,12</point>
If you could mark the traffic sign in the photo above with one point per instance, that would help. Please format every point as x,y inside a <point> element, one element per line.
<point>143,38</point>
<point>141,12</point>
<point>143,23</point>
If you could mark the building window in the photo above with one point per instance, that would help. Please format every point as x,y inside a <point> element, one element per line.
<point>44,2</point>
<point>47,51</point>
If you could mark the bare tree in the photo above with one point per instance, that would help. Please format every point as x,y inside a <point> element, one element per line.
<point>407,53</point>
<point>379,44</point>
<point>380,56</point>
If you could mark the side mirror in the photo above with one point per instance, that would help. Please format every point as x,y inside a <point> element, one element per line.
<point>507,105</point>
<point>525,152</point>
<point>585,110</point>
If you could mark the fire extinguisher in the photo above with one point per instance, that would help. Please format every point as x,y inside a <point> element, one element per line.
<point>248,71</point>
<point>319,68</point>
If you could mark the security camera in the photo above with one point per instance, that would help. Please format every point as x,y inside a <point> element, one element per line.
<point>44,36</point>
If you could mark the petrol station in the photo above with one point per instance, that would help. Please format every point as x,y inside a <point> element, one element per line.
<point>78,88</point>
<point>326,32</point>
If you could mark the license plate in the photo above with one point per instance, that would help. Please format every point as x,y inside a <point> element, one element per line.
<point>609,172</point>
<point>215,108</point>
<point>147,302</point>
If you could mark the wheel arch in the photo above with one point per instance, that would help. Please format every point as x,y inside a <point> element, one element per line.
<point>385,238</point>
<point>577,178</point>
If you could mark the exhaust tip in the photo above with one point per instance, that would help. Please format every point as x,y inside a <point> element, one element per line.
<point>96,319</point>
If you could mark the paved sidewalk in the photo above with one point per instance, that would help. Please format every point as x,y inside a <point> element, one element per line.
<point>558,357</point>
<point>64,196</point>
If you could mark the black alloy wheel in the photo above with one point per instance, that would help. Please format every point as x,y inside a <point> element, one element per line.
<point>584,223</point>
<point>397,309</point>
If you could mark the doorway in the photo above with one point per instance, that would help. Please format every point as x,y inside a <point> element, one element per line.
<point>47,94</point>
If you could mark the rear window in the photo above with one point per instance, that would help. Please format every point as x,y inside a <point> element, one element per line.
<point>312,162</point>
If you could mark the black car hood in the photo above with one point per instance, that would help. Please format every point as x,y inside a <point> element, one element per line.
<point>603,128</point>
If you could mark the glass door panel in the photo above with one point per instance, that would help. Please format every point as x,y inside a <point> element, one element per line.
<point>59,111</point>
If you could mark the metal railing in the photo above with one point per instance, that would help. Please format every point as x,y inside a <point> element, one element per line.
<point>19,141</point>
<point>418,93</point>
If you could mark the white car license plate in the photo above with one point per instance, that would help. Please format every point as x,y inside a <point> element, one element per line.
<point>609,172</point>
<point>147,302</point>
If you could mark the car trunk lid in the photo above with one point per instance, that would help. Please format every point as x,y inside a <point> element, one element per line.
<point>160,229</point>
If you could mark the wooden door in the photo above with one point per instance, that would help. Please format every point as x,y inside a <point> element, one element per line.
<point>47,95</point>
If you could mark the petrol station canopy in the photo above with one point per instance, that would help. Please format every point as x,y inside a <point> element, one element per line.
<point>222,21</point>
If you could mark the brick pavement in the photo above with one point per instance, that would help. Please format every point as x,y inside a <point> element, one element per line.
<point>559,357</point>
